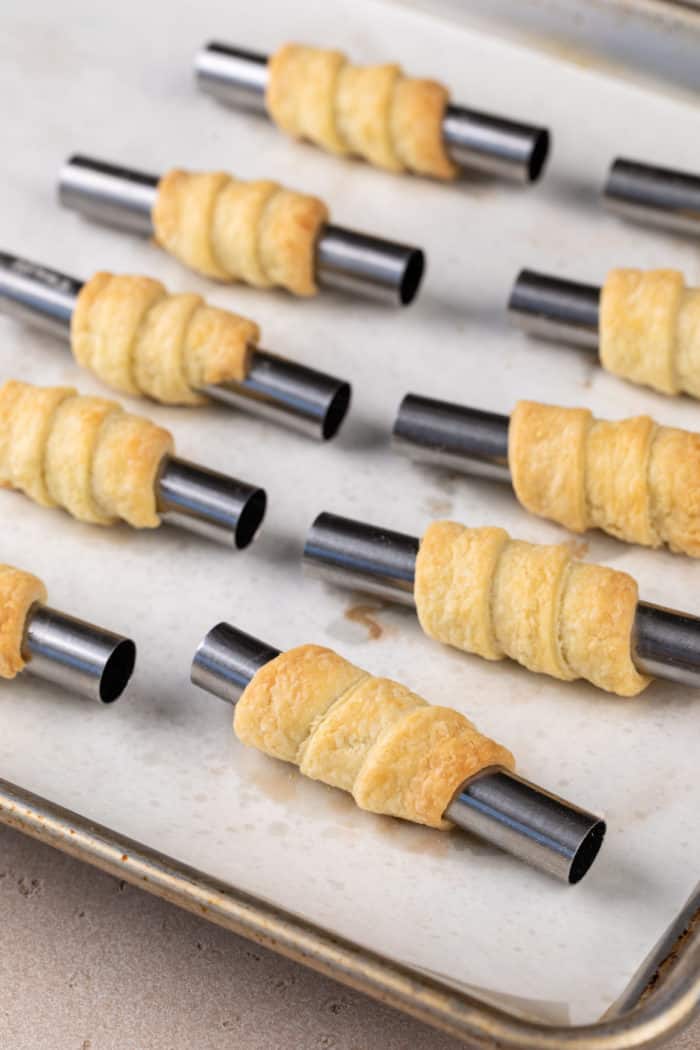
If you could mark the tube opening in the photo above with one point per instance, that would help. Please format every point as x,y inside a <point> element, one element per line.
<point>250,518</point>
<point>412,277</point>
<point>117,671</point>
<point>336,411</point>
<point>587,852</point>
<point>538,155</point>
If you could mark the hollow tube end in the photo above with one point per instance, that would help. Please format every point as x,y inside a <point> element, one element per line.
<point>495,145</point>
<point>587,851</point>
<point>79,656</point>
<point>209,503</point>
<point>369,266</point>
<point>227,659</point>
<point>250,518</point>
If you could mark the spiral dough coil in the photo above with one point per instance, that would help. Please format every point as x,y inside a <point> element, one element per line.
<point>650,330</point>
<point>636,480</point>
<point>85,454</point>
<point>256,232</point>
<point>480,591</point>
<point>374,112</point>
<point>19,591</point>
<point>140,339</point>
<point>370,736</point>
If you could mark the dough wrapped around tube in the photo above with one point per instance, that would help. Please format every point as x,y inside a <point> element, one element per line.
<point>650,329</point>
<point>374,112</point>
<point>84,454</point>
<point>19,591</point>
<point>140,339</point>
<point>480,591</point>
<point>370,736</point>
<point>633,478</point>
<point>223,227</point>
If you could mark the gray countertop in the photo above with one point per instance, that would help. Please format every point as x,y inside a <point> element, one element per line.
<point>89,963</point>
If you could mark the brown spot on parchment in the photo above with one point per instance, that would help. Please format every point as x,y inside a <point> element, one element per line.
<point>364,615</point>
<point>578,548</point>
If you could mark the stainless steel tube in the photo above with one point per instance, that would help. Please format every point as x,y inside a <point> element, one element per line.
<point>452,436</point>
<point>474,140</point>
<point>283,391</point>
<point>209,503</point>
<point>36,295</point>
<point>513,814</point>
<point>354,554</point>
<point>288,393</point>
<point>76,655</point>
<point>356,262</point>
<point>556,309</point>
<point>108,193</point>
<point>652,195</point>
<point>226,659</point>
<point>523,819</point>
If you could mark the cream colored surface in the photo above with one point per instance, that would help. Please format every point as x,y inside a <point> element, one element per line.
<point>396,754</point>
<point>480,591</point>
<point>650,329</point>
<point>374,112</point>
<point>257,231</point>
<point>84,454</point>
<point>640,482</point>
<point>19,590</point>
<point>139,339</point>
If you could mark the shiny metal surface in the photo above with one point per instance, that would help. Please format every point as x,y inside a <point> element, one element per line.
<point>369,266</point>
<point>652,195</point>
<point>283,391</point>
<point>36,295</point>
<point>452,436</point>
<point>523,819</point>
<point>652,1011</point>
<point>232,75</point>
<point>494,145</point>
<point>108,193</point>
<point>354,262</point>
<point>292,394</point>
<point>356,555</point>
<point>76,655</point>
<point>513,814</point>
<point>226,659</point>
<point>556,309</point>
<point>478,141</point>
<point>666,644</point>
<point>209,503</point>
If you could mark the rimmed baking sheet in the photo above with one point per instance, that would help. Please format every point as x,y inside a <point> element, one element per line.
<point>161,766</point>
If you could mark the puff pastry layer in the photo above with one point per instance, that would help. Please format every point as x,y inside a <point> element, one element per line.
<point>650,329</point>
<point>632,478</point>
<point>85,454</point>
<point>370,736</point>
<point>257,232</point>
<point>19,591</point>
<point>140,339</point>
<point>374,112</point>
<point>480,591</point>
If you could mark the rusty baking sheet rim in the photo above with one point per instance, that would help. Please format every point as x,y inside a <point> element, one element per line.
<point>659,1000</point>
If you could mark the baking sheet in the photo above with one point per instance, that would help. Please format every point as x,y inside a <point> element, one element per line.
<point>161,766</point>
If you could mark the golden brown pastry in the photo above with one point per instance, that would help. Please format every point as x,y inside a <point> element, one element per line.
<point>19,591</point>
<point>85,454</point>
<point>374,112</point>
<point>480,591</point>
<point>632,478</point>
<point>650,329</point>
<point>140,339</point>
<point>257,232</point>
<point>370,736</point>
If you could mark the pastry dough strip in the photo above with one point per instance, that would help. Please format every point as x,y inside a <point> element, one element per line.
<point>140,339</point>
<point>19,591</point>
<point>374,112</point>
<point>370,736</point>
<point>632,478</point>
<point>257,232</point>
<point>480,591</point>
<point>85,454</point>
